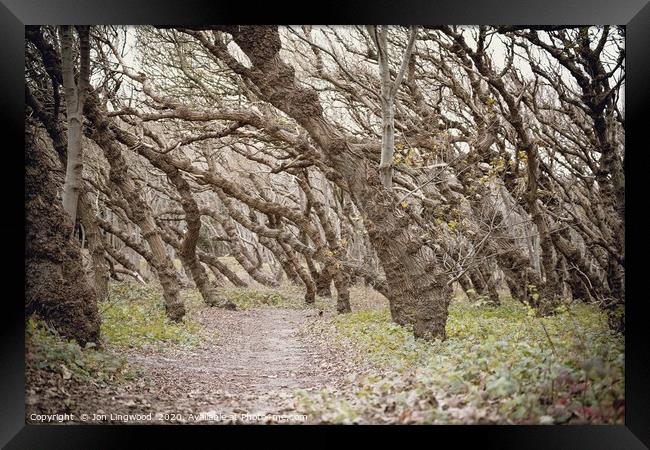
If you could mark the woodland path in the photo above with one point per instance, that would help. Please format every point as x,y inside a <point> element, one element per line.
<point>249,362</point>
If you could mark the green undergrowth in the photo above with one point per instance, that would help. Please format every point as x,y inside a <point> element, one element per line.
<point>287,297</point>
<point>48,351</point>
<point>134,316</point>
<point>498,365</point>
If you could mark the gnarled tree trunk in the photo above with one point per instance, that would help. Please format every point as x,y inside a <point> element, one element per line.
<point>95,247</point>
<point>56,288</point>
<point>418,291</point>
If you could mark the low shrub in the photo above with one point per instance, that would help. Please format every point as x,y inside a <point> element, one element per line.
<point>498,365</point>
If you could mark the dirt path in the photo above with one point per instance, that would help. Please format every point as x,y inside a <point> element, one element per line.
<point>249,363</point>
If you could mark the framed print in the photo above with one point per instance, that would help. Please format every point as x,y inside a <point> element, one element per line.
<point>253,217</point>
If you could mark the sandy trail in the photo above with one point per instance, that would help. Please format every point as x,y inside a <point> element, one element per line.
<point>249,363</point>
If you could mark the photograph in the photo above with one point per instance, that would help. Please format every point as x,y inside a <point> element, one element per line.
<point>313,224</point>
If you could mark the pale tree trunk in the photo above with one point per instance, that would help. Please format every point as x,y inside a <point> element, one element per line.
<point>74,99</point>
<point>387,142</point>
<point>388,92</point>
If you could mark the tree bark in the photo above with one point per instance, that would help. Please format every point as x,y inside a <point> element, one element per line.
<point>119,175</point>
<point>140,211</point>
<point>56,287</point>
<point>74,98</point>
<point>95,246</point>
<point>419,294</point>
<point>240,253</point>
<point>187,250</point>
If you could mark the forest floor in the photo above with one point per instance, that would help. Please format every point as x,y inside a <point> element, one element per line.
<point>245,371</point>
<point>277,360</point>
<point>244,366</point>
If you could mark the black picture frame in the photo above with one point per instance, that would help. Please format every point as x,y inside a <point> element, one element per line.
<point>634,14</point>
